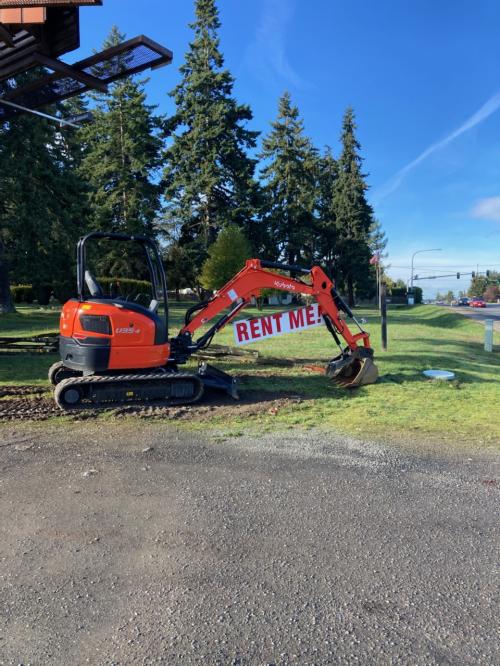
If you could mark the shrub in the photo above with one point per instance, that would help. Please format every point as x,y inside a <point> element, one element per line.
<point>225,257</point>
<point>128,287</point>
<point>22,293</point>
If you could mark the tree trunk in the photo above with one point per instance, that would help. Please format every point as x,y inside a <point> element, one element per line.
<point>6,304</point>
<point>350,292</point>
<point>124,191</point>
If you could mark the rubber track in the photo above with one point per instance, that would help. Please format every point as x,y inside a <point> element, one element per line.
<point>118,379</point>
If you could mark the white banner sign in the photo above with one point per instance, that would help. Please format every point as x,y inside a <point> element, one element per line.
<point>253,330</point>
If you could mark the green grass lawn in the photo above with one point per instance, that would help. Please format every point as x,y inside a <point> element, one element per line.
<point>402,403</point>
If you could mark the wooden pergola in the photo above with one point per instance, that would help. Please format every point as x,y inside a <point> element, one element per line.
<point>34,34</point>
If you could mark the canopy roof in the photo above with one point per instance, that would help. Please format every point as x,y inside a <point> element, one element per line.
<point>40,45</point>
<point>47,3</point>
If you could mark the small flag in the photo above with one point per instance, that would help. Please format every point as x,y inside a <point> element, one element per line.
<point>375,259</point>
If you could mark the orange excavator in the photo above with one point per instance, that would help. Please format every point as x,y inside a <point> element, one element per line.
<point>115,350</point>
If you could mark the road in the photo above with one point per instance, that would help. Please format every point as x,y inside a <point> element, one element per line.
<point>136,543</point>
<point>491,311</point>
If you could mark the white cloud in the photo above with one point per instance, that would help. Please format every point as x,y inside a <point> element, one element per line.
<point>489,107</point>
<point>267,54</point>
<point>487,209</point>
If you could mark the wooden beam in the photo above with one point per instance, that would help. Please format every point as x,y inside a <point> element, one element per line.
<point>5,36</point>
<point>59,66</point>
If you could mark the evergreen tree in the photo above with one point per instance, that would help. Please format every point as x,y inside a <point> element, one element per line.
<point>354,215</point>
<point>41,206</point>
<point>327,223</point>
<point>290,177</point>
<point>377,242</point>
<point>6,304</point>
<point>121,163</point>
<point>225,257</point>
<point>178,268</point>
<point>479,284</point>
<point>209,177</point>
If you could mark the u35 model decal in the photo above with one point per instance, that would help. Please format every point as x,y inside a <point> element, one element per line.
<point>128,331</point>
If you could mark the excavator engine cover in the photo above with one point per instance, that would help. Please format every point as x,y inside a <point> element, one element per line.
<point>353,368</point>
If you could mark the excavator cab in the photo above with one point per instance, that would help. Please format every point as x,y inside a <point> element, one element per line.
<point>87,283</point>
<point>102,332</point>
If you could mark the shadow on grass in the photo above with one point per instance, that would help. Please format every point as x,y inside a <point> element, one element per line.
<point>26,368</point>
<point>469,362</point>
<point>27,320</point>
<point>433,319</point>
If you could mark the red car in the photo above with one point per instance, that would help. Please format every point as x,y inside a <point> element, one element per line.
<point>477,303</point>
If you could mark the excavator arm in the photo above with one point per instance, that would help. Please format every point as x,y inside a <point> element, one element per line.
<point>352,367</point>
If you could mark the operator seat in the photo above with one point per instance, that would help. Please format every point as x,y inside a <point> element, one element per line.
<point>94,287</point>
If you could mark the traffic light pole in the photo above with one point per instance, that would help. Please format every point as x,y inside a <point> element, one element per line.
<point>473,274</point>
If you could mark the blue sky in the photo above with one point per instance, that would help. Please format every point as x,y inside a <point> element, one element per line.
<point>423,79</point>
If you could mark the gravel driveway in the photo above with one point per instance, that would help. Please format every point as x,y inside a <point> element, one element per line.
<point>139,544</point>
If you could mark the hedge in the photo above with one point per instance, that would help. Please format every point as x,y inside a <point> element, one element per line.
<point>22,293</point>
<point>401,292</point>
<point>63,291</point>
<point>124,286</point>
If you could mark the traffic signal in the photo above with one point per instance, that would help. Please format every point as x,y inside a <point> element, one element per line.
<point>458,276</point>
<point>487,274</point>
<point>473,274</point>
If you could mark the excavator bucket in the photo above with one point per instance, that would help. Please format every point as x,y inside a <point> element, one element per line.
<point>353,368</point>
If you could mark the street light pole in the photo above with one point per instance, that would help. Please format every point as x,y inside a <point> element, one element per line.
<point>434,249</point>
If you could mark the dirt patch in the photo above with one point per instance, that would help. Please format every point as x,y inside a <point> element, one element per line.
<point>6,391</point>
<point>34,403</point>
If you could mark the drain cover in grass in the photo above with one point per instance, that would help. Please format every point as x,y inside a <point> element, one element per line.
<point>439,374</point>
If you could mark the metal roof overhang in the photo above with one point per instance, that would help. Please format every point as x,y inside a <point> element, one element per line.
<point>15,4</point>
<point>96,72</point>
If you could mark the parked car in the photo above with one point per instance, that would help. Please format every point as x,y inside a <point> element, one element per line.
<point>463,302</point>
<point>477,303</point>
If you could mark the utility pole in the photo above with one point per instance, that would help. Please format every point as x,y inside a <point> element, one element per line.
<point>383,317</point>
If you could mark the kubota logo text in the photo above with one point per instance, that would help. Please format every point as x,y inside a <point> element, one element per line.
<point>284,285</point>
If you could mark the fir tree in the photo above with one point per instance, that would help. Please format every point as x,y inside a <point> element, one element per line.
<point>290,184</point>
<point>42,204</point>
<point>327,224</point>
<point>353,214</point>
<point>121,164</point>
<point>177,264</point>
<point>377,242</point>
<point>209,177</point>
<point>6,304</point>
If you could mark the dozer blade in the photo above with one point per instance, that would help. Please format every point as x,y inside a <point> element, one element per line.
<point>353,368</point>
<point>217,379</point>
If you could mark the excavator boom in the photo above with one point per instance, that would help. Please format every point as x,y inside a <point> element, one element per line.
<point>352,367</point>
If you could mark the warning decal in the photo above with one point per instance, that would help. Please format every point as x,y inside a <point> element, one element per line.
<point>252,330</point>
